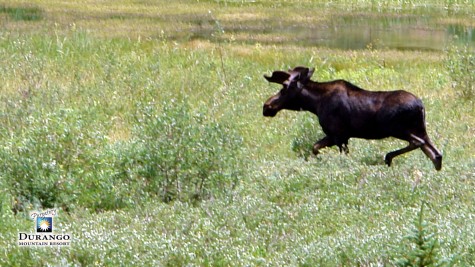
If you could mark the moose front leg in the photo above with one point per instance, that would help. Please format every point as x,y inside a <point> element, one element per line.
<point>344,148</point>
<point>324,142</point>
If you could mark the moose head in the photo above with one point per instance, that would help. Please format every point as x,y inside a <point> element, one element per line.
<point>288,97</point>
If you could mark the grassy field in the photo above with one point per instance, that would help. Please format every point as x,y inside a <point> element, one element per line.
<point>141,123</point>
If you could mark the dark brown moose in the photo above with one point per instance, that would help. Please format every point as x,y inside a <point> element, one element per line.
<point>345,111</point>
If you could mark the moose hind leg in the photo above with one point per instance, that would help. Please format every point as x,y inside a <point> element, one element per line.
<point>389,157</point>
<point>416,142</point>
<point>428,148</point>
<point>433,154</point>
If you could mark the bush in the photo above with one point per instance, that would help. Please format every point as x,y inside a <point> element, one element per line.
<point>423,247</point>
<point>64,159</point>
<point>183,155</point>
<point>45,162</point>
<point>460,64</point>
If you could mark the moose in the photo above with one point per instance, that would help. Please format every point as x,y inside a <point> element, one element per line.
<point>346,111</point>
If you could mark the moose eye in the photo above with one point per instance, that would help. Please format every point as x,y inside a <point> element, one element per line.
<point>287,88</point>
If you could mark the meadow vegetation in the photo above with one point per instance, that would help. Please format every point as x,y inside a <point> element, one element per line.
<point>141,123</point>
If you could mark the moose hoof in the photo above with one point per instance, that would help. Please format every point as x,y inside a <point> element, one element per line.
<point>438,163</point>
<point>388,160</point>
<point>315,150</point>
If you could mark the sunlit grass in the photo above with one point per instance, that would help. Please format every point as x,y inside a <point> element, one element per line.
<point>186,19</point>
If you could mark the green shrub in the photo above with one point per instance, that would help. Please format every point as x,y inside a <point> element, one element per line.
<point>460,64</point>
<point>423,247</point>
<point>44,163</point>
<point>64,159</point>
<point>183,155</point>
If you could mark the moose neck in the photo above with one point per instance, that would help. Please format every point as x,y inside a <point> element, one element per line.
<point>310,97</point>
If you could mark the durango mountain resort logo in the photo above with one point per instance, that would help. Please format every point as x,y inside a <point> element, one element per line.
<point>45,235</point>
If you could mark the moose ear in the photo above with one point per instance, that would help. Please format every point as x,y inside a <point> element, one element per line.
<point>302,70</point>
<point>310,73</point>
<point>277,77</point>
<point>305,73</point>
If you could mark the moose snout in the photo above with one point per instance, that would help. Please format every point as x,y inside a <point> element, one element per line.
<point>268,110</point>
<point>271,106</point>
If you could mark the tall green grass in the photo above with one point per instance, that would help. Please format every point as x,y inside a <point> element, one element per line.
<point>22,13</point>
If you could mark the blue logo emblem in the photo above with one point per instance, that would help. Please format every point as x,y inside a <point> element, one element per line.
<point>44,224</point>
